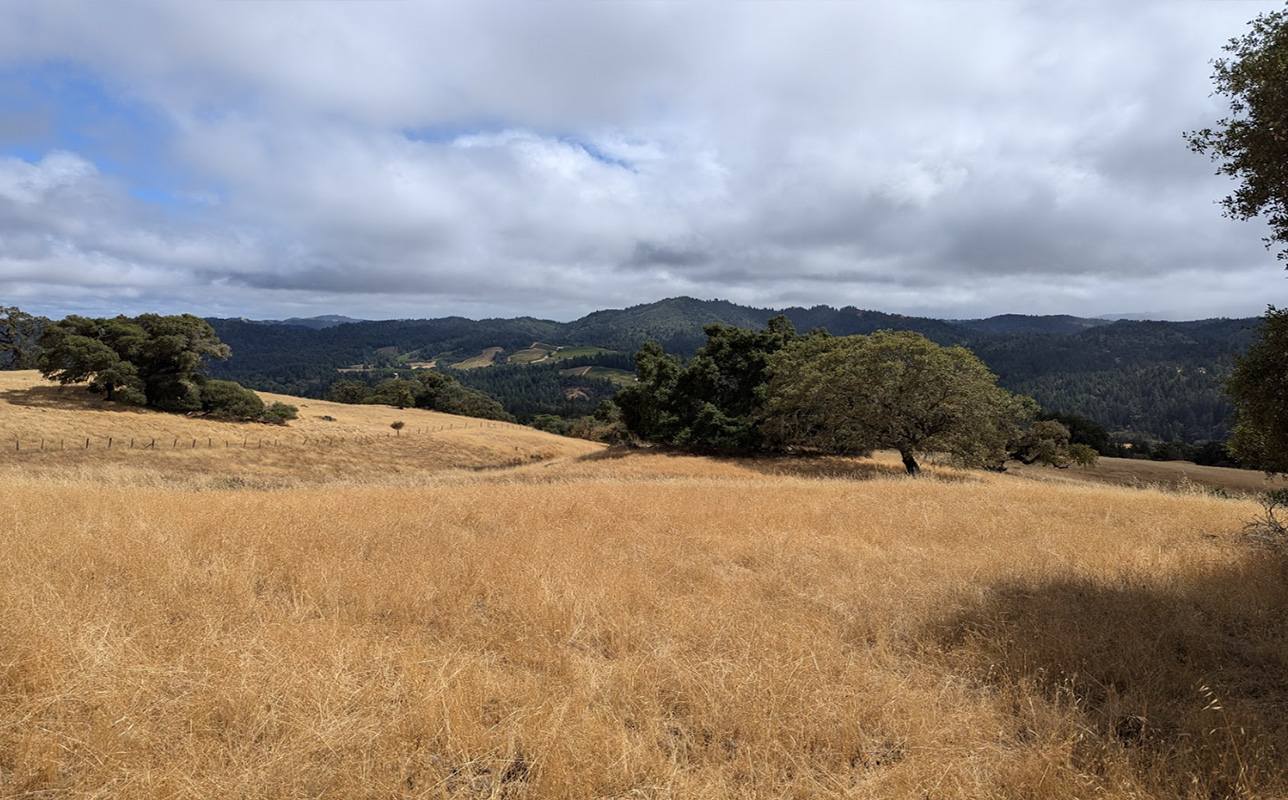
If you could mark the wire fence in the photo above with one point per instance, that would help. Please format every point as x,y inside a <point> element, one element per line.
<point>171,442</point>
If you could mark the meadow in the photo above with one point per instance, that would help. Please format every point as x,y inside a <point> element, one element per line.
<point>494,612</point>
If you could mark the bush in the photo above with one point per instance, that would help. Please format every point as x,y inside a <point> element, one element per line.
<point>279,413</point>
<point>232,401</point>
<point>229,400</point>
<point>1269,527</point>
<point>550,423</point>
<point>1083,455</point>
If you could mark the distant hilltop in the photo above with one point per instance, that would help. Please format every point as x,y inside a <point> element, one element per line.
<point>312,323</point>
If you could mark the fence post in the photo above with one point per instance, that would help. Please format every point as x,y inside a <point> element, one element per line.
<point>87,444</point>
<point>109,443</point>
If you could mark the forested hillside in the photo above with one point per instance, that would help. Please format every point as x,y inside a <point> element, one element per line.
<point>1157,379</point>
<point>1162,379</point>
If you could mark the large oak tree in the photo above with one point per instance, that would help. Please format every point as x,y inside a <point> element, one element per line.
<point>891,390</point>
<point>150,359</point>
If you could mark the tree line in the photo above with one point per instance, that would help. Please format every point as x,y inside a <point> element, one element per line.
<point>775,390</point>
<point>423,388</point>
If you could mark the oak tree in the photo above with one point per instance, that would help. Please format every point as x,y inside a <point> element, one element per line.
<point>891,390</point>
<point>1251,144</point>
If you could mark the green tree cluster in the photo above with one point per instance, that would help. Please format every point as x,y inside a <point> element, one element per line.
<point>892,390</point>
<point>428,389</point>
<point>604,425</point>
<point>776,390</point>
<point>151,360</point>
<point>1252,142</point>
<point>1259,387</point>
<point>19,335</point>
<point>712,403</point>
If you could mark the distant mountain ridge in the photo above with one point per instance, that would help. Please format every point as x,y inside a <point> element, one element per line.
<point>1024,323</point>
<point>1162,379</point>
<point>312,323</point>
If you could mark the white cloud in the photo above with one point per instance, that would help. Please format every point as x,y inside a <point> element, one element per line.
<point>380,157</point>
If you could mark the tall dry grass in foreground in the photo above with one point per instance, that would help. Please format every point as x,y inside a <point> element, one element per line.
<point>642,627</point>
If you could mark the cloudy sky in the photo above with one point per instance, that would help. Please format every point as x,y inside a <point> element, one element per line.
<point>397,158</point>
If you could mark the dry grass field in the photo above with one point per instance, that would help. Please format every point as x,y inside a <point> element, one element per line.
<point>1176,475</point>
<point>592,624</point>
<point>46,434</point>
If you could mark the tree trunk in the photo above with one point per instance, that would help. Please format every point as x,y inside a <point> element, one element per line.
<point>910,463</point>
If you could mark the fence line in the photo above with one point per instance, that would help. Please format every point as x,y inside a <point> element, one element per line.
<point>46,444</point>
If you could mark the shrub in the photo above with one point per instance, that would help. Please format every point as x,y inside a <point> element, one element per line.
<point>1269,527</point>
<point>279,413</point>
<point>1083,455</point>
<point>229,400</point>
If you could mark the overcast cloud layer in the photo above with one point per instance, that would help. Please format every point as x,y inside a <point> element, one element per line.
<point>394,158</point>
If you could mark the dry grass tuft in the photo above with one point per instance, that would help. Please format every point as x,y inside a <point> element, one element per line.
<point>634,625</point>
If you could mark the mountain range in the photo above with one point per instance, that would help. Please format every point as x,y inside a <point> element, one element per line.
<point>1159,380</point>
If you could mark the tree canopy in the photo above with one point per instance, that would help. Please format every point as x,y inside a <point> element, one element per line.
<point>777,390</point>
<point>711,403</point>
<point>19,333</point>
<point>151,359</point>
<point>892,390</point>
<point>1251,144</point>
<point>1259,388</point>
<point>428,388</point>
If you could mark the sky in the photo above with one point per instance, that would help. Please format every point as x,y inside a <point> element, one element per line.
<point>387,159</point>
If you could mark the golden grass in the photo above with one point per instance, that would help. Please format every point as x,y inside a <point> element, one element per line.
<point>1161,474</point>
<point>45,428</point>
<point>633,626</point>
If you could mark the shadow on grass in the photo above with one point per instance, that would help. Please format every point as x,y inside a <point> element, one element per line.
<point>75,397</point>
<point>1184,683</point>
<point>53,396</point>
<point>787,466</point>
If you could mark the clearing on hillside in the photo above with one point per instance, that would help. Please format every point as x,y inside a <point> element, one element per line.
<point>564,353</point>
<point>529,355</point>
<point>483,359</point>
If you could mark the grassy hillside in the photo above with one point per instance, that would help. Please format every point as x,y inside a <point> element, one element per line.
<point>44,429</point>
<point>599,625</point>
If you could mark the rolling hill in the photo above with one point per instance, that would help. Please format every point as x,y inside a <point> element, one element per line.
<point>59,430</point>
